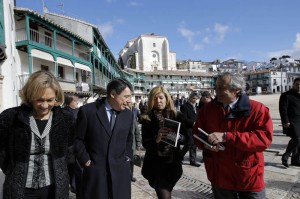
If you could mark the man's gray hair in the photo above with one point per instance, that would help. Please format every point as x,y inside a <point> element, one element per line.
<point>236,81</point>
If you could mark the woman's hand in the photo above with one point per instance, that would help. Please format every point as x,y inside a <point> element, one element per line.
<point>162,132</point>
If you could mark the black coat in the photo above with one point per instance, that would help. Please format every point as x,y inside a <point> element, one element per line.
<point>289,108</point>
<point>154,166</point>
<point>106,149</point>
<point>189,116</point>
<point>15,142</point>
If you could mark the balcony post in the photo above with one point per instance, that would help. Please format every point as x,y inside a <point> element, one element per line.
<point>73,47</point>
<point>1,91</point>
<point>281,79</point>
<point>54,39</point>
<point>74,71</point>
<point>55,66</point>
<point>29,60</point>
<point>27,27</point>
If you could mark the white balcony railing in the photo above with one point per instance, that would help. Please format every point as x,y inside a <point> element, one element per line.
<point>48,41</point>
<point>66,85</point>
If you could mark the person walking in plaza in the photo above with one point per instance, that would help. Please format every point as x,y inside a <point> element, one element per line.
<point>135,111</point>
<point>178,102</point>
<point>34,140</point>
<point>162,165</point>
<point>289,109</point>
<point>71,105</point>
<point>205,98</point>
<point>245,129</point>
<point>103,144</point>
<point>189,112</point>
<point>136,137</point>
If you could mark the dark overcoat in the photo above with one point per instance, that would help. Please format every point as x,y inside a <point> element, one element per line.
<point>154,166</point>
<point>15,142</point>
<point>289,108</point>
<point>108,150</point>
<point>189,116</point>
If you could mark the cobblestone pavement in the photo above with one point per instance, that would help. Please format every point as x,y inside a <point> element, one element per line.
<point>281,182</point>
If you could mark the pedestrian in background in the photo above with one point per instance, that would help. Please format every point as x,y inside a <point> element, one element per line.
<point>71,105</point>
<point>34,140</point>
<point>289,109</point>
<point>189,112</point>
<point>245,129</point>
<point>103,145</point>
<point>136,137</point>
<point>143,111</point>
<point>178,102</point>
<point>162,165</point>
<point>205,98</point>
<point>135,111</point>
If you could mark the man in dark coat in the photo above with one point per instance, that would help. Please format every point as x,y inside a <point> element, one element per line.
<point>189,112</point>
<point>103,145</point>
<point>289,108</point>
<point>74,170</point>
<point>136,136</point>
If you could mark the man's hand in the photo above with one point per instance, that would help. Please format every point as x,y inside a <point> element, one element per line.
<point>88,163</point>
<point>286,125</point>
<point>216,138</point>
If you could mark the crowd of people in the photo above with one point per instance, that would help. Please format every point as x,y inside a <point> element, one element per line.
<point>50,146</point>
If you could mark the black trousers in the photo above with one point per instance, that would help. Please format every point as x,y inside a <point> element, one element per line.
<point>47,192</point>
<point>191,147</point>
<point>293,148</point>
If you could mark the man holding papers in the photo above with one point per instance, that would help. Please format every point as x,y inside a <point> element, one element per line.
<point>244,128</point>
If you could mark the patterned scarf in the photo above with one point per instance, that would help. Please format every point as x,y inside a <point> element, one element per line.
<point>164,150</point>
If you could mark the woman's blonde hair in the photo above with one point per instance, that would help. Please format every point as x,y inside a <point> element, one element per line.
<point>36,85</point>
<point>169,101</point>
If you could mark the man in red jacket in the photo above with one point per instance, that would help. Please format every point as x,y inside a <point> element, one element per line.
<point>244,127</point>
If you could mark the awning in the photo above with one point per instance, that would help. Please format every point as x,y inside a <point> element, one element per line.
<point>42,55</point>
<point>82,67</point>
<point>64,61</point>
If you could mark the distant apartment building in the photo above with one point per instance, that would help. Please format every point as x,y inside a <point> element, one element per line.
<point>148,52</point>
<point>231,65</point>
<point>283,61</point>
<point>270,81</point>
<point>177,82</point>
<point>193,66</point>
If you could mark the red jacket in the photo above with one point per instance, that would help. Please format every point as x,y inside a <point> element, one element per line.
<point>249,128</point>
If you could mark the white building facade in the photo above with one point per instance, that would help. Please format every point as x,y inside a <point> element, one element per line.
<point>11,65</point>
<point>148,52</point>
